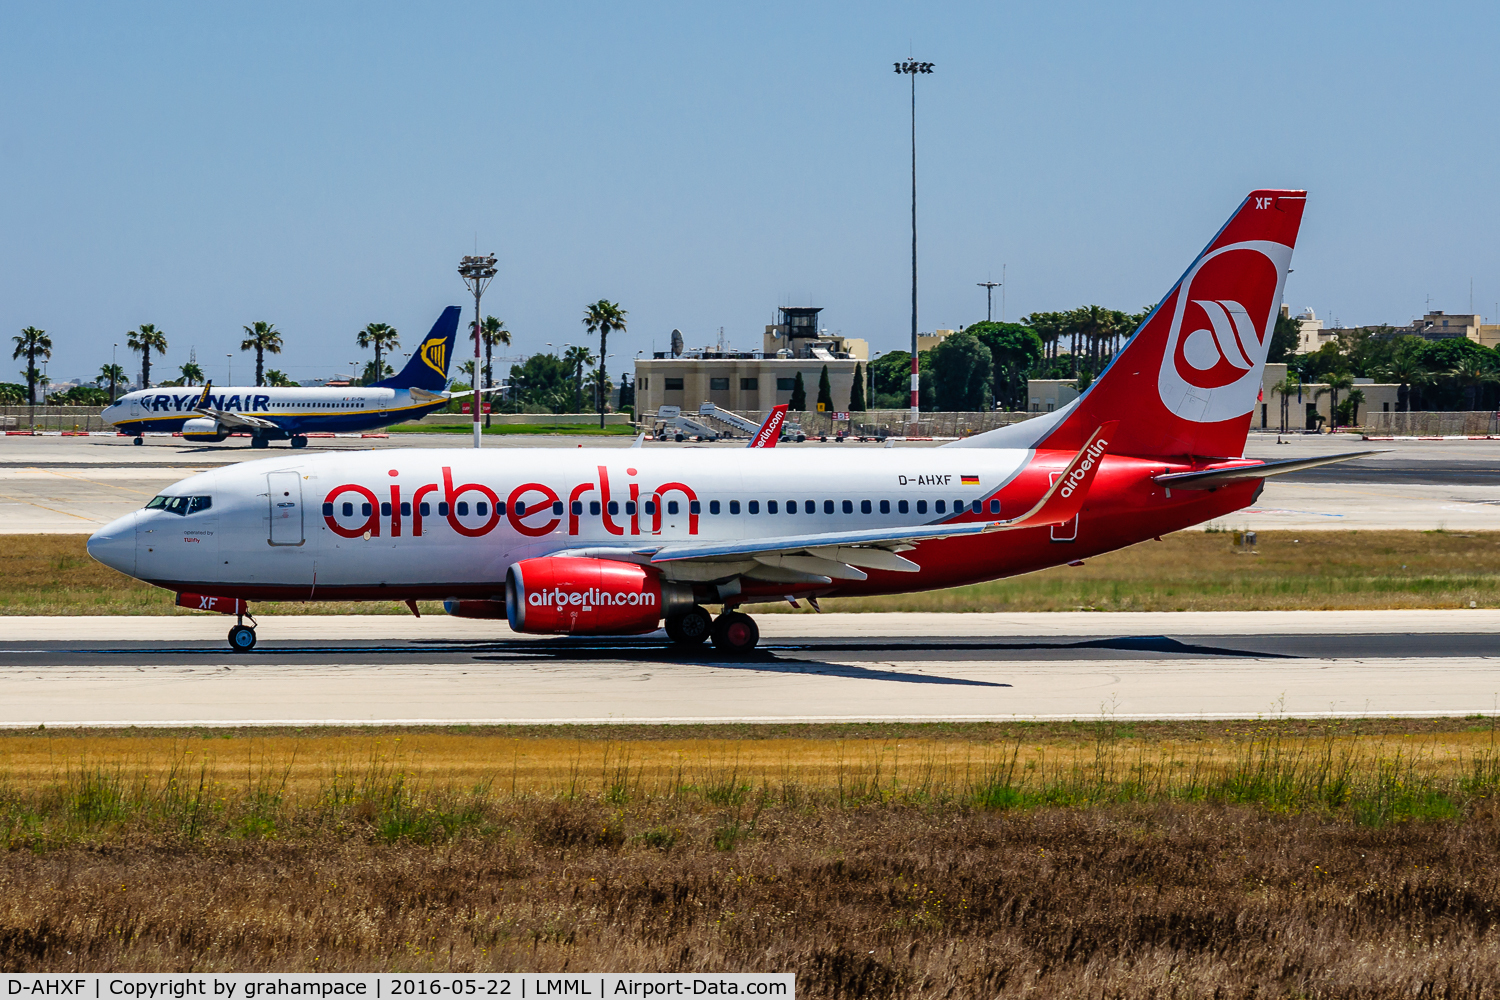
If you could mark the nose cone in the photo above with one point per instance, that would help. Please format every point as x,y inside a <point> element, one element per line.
<point>114,544</point>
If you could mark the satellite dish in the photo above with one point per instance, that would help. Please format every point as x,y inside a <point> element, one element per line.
<point>676,343</point>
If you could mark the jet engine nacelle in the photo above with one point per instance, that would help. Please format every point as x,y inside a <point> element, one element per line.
<point>203,429</point>
<point>576,596</point>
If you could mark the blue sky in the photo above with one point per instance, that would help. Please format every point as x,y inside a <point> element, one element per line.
<point>323,166</point>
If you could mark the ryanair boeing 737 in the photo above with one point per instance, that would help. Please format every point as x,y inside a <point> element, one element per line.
<point>277,414</point>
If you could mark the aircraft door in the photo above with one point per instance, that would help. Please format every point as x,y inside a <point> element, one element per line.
<point>1068,531</point>
<point>285,489</point>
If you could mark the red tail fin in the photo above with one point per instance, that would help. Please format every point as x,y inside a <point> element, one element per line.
<point>1187,382</point>
<point>770,431</point>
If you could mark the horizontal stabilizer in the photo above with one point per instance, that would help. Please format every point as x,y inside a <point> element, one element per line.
<point>1208,479</point>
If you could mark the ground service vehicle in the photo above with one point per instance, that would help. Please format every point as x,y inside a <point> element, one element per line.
<point>620,541</point>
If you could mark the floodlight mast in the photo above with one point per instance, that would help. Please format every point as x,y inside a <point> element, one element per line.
<point>477,273</point>
<point>911,68</point>
<point>989,298</point>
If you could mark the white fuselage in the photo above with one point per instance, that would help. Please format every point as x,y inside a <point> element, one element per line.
<point>444,522</point>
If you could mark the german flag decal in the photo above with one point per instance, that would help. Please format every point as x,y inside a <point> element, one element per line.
<point>969,480</point>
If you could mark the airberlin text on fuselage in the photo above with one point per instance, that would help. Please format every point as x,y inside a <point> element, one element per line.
<point>531,508</point>
<point>1076,476</point>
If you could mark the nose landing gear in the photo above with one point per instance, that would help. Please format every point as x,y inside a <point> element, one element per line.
<point>242,636</point>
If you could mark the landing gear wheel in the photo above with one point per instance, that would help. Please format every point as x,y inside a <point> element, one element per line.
<point>689,628</point>
<point>735,632</point>
<point>242,638</point>
<point>138,440</point>
<point>260,442</point>
<point>299,442</point>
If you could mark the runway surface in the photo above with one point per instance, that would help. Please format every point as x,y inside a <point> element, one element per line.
<point>378,670</point>
<point>76,485</point>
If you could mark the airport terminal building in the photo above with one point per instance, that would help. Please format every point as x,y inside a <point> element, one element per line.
<point>753,380</point>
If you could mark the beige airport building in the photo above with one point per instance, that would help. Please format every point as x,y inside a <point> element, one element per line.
<point>753,380</point>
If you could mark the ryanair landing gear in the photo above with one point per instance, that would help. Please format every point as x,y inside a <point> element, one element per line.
<point>258,441</point>
<point>690,628</point>
<point>299,441</point>
<point>242,636</point>
<point>735,632</point>
<point>139,440</point>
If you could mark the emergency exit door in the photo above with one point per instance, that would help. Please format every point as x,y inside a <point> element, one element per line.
<point>1067,531</point>
<point>285,489</point>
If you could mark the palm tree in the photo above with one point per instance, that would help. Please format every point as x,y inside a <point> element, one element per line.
<point>1285,388</point>
<point>493,333</point>
<point>602,317</point>
<point>1473,374</point>
<point>382,337</point>
<point>113,374</point>
<point>1336,382</point>
<point>575,358</point>
<point>278,380</point>
<point>262,338</point>
<point>145,340</point>
<point>599,384</point>
<point>32,344</point>
<point>191,373</point>
<point>1408,373</point>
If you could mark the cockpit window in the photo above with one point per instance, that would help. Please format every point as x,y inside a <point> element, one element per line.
<point>181,506</point>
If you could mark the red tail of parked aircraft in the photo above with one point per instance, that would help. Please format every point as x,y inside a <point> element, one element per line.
<point>770,431</point>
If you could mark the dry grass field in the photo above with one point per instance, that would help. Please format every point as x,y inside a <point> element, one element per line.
<point>1266,858</point>
<point>1188,571</point>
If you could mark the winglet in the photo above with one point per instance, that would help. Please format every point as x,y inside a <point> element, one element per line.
<point>208,387</point>
<point>1065,499</point>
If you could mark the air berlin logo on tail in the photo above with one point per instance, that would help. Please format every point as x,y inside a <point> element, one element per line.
<point>1222,317</point>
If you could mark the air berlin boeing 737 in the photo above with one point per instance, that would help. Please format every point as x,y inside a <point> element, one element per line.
<point>618,541</point>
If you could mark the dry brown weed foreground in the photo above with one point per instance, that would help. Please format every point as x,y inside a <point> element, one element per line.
<point>1108,860</point>
<point>1170,900</point>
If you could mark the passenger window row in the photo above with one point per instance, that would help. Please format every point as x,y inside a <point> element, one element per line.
<point>482,509</point>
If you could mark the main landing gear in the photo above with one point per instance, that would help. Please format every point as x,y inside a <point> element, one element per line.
<point>732,632</point>
<point>139,440</point>
<point>242,636</point>
<point>298,441</point>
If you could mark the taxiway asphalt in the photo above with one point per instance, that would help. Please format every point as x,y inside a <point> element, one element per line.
<point>377,670</point>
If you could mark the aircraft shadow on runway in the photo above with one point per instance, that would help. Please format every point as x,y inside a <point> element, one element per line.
<point>766,661</point>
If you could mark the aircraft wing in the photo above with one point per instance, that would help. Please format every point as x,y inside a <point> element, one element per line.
<point>228,418</point>
<point>822,557</point>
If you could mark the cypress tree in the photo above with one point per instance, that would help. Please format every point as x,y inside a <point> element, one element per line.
<point>825,391</point>
<point>857,392</point>
<point>799,395</point>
